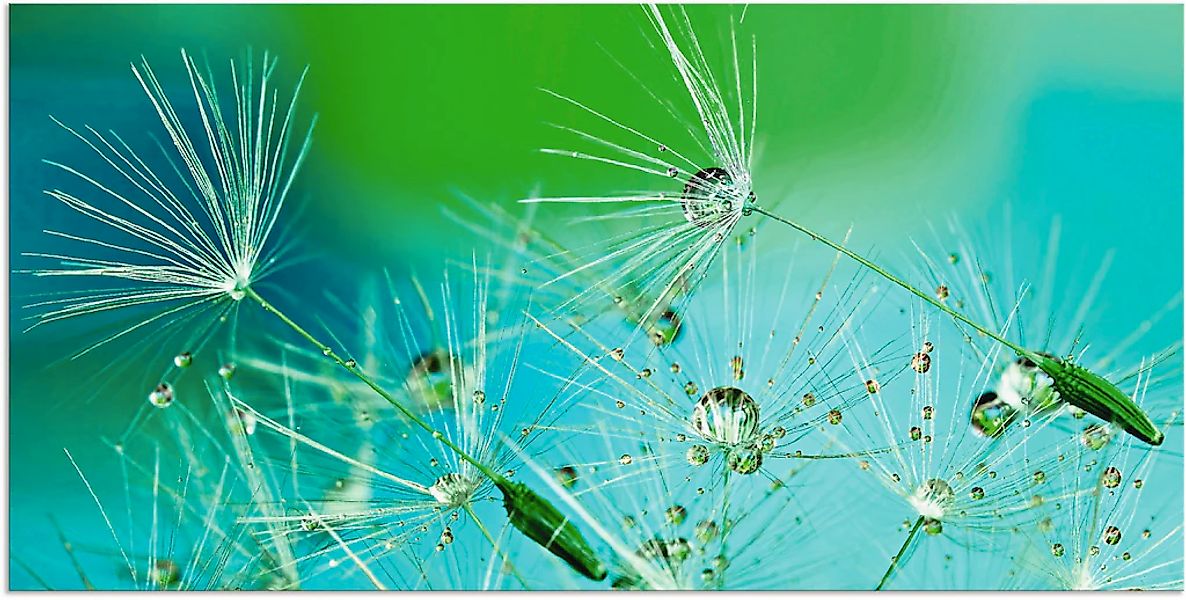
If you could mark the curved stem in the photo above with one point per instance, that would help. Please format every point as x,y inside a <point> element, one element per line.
<point>497,548</point>
<point>894,279</point>
<point>897,557</point>
<point>358,373</point>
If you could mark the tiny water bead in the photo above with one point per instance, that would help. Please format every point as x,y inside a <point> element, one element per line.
<point>928,347</point>
<point>942,293</point>
<point>711,196</point>
<point>664,330</point>
<point>726,415</point>
<point>453,489</point>
<point>165,573</point>
<point>567,476</point>
<point>698,455</point>
<point>161,396</point>
<point>932,526</point>
<point>1112,535</point>
<point>1039,477</point>
<point>227,371</point>
<point>672,172</point>
<point>1096,436</point>
<point>351,363</point>
<point>447,536</point>
<point>915,433</point>
<point>872,386</point>
<point>738,365</point>
<point>809,400</point>
<point>1110,478</point>
<point>921,363</point>
<point>1057,550</point>
<point>977,493</point>
<point>834,417</point>
<point>707,531</point>
<point>928,413</point>
<point>626,459</point>
<point>676,514</point>
<point>183,360</point>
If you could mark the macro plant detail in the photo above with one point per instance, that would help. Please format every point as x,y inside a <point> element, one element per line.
<point>527,320</point>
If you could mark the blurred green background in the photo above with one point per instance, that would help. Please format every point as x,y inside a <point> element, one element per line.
<point>882,117</point>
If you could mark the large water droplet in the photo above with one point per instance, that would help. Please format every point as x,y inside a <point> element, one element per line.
<point>726,415</point>
<point>453,489</point>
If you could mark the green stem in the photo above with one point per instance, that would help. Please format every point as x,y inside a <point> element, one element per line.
<point>358,373</point>
<point>497,549</point>
<point>890,276</point>
<point>897,557</point>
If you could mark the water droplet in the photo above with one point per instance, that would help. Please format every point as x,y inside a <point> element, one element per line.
<point>237,294</point>
<point>626,459</point>
<point>479,397</point>
<point>778,432</point>
<point>809,399</point>
<point>743,461</point>
<point>1126,556</point>
<point>726,415</point>
<point>691,389</point>
<point>1096,436</point>
<point>672,172</point>
<point>679,437</point>
<point>928,413</point>
<point>1057,550</point>
<point>991,414</point>
<point>227,371</point>
<point>942,293</point>
<point>165,573</point>
<point>1112,535</point>
<point>977,493</point>
<point>662,148</point>
<point>645,373</point>
<point>1137,483</point>
<point>676,514</point>
<point>183,360</point>
<point>161,396</point>
<point>921,362</point>
<point>834,417</point>
<point>707,531</point>
<point>1111,477</point>
<point>351,363</point>
<point>618,354</point>
<point>566,476</point>
<point>1039,476</point>
<point>453,489</point>
<point>1146,533</point>
<point>915,433</point>
<point>711,195</point>
<point>698,455</point>
<point>872,386</point>
<point>675,368</point>
<point>928,347</point>
<point>738,366</point>
<point>447,536</point>
<point>932,526</point>
<point>1094,550</point>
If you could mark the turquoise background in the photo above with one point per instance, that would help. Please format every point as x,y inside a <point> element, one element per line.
<point>881,117</point>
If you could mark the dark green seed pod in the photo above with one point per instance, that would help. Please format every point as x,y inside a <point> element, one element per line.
<point>1082,388</point>
<point>533,515</point>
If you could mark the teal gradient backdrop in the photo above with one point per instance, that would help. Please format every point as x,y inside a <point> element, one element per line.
<point>885,118</point>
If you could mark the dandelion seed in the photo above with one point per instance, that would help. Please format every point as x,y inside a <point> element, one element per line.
<point>185,253</point>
